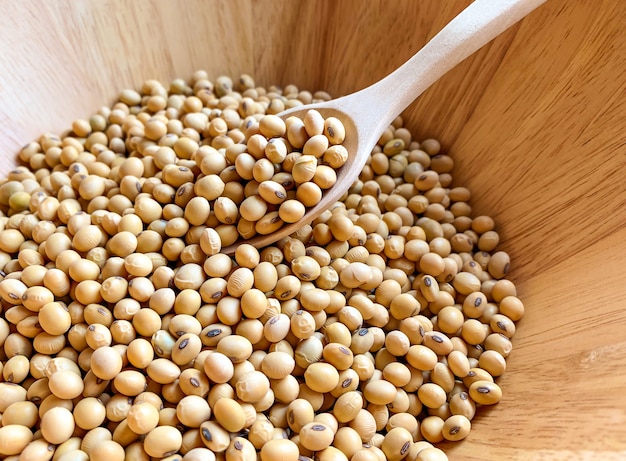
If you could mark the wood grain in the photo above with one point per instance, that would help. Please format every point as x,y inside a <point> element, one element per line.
<point>536,123</point>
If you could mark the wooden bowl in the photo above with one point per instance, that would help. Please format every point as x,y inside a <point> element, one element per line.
<point>535,121</point>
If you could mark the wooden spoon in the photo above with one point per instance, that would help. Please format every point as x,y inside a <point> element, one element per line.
<point>368,112</point>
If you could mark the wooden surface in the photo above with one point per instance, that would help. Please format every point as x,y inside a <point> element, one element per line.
<point>536,122</point>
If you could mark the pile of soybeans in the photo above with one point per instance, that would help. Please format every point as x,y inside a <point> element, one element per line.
<point>371,334</point>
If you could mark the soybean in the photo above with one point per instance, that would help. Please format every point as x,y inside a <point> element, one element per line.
<point>393,300</point>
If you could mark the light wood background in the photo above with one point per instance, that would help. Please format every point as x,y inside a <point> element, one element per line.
<point>536,122</point>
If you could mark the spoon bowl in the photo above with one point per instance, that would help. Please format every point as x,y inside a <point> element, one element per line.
<point>365,114</point>
<point>346,174</point>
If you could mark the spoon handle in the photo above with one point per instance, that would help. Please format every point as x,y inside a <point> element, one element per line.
<point>474,27</point>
